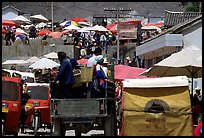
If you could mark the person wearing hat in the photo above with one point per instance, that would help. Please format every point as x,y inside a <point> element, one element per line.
<point>198,94</point>
<point>104,66</point>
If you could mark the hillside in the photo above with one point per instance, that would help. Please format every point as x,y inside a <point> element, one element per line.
<point>69,10</point>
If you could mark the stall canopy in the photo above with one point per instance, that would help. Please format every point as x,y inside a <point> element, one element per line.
<point>39,17</point>
<point>126,72</point>
<point>52,55</point>
<point>44,63</point>
<point>14,62</point>
<point>32,59</point>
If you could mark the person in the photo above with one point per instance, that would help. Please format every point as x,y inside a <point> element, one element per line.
<point>65,76</point>
<point>98,89</point>
<point>92,61</point>
<point>104,66</point>
<point>128,61</point>
<point>103,40</point>
<point>198,130</point>
<point>198,94</point>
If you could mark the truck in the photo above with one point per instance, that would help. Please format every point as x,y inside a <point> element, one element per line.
<point>85,114</point>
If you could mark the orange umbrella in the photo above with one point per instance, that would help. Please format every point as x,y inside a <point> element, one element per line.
<point>8,23</point>
<point>43,32</point>
<point>56,34</point>
<point>82,61</point>
<point>79,19</point>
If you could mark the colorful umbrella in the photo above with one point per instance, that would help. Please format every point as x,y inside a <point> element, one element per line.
<point>43,32</point>
<point>79,19</point>
<point>68,23</point>
<point>8,23</point>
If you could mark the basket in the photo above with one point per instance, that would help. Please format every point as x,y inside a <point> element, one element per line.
<point>86,74</point>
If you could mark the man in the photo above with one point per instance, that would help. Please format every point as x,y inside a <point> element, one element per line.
<point>65,76</point>
<point>198,94</point>
<point>92,60</point>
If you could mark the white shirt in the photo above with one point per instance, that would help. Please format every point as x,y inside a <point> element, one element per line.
<point>105,70</point>
<point>92,61</point>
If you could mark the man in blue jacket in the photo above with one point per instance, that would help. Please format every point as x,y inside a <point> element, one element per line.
<point>65,76</point>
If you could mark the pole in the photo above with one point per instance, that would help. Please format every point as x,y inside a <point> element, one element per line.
<point>52,15</point>
<point>118,42</point>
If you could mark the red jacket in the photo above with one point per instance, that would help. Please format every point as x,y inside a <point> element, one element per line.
<point>197,129</point>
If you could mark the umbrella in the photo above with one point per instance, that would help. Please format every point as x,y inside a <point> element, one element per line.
<point>32,59</point>
<point>39,17</point>
<point>21,18</point>
<point>42,24</point>
<point>14,61</point>
<point>72,27</point>
<point>68,23</point>
<point>20,31</point>
<point>3,31</point>
<point>187,62</point>
<point>52,55</point>
<point>82,61</point>
<point>79,19</point>
<point>43,32</point>
<point>126,72</point>
<point>83,23</point>
<point>44,63</point>
<point>56,34</point>
<point>98,28</point>
<point>8,23</point>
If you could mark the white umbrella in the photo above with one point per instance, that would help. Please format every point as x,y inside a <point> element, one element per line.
<point>14,62</point>
<point>44,63</point>
<point>84,29</point>
<point>151,28</point>
<point>42,24</point>
<point>83,23</point>
<point>40,17</point>
<point>20,31</point>
<point>52,55</point>
<point>187,62</point>
<point>98,28</point>
<point>21,18</point>
<point>32,59</point>
<point>71,27</point>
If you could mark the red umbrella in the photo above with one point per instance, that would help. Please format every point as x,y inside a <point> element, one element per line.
<point>110,26</point>
<point>79,19</point>
<point>43,32</point>
<point>126,72</point>
<point>8,23</point>
<point>56,34</point>
<point>82,61</point>
<point>3,31</point>
<point>113,29</point>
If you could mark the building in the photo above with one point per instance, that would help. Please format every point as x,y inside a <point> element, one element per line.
<point>183,30</point>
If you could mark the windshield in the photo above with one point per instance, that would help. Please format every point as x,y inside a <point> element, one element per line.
<point>38,92</point>
<point>9,90</point>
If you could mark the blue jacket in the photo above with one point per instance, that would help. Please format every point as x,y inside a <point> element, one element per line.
<point>65,75</point>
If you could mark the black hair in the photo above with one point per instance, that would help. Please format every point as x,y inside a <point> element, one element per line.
<point>61,55</point>
<point>97,51</point>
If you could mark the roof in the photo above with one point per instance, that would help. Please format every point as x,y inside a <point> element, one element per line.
<point>174,18</point>
<point>177,28</point>
<point>10,7</point>
<point>156,82</point>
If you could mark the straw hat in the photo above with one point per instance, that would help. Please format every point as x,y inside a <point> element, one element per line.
<point>105,61</point>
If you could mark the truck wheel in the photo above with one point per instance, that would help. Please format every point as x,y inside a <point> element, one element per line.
<point>77,133</point>
<point>109,126</point>
<point>58,127</point>
<point>15,134</point>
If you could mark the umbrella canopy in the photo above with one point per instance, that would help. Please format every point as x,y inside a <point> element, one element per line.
<point>21,18</point>
<point>42,24</point>
<point>14,62</point>
<point>79,19</point>
<point>126,72</point>
<point>8,23</point>
<point>20,31</point>
<point>32,59</point>
<point>72,27</point>
<point>44,63</point>
<point>68,23</point>
<point>151,28</point>
<point>22,36</point>
<point>56,34</point>
<point>43,32</point>
<point>187,62</point>
<point>82,61</point>
<point>52,55</point>
<point>39,17</point>
<point>83,23</point>
<point>98,28</point>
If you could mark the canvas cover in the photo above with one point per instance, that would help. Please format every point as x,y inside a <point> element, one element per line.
<point>140,120</point>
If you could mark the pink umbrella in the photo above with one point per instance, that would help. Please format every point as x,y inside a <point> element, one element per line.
<point>56,34</point>
<point>126,72</point>
<point>82,61</point>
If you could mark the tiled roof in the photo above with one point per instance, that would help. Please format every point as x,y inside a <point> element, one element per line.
<point>174,18</point>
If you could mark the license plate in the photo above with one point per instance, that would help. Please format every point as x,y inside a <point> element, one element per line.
<point>28,104</point>
<point>5,110</point>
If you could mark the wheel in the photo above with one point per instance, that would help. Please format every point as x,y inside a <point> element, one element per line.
<point>15,133</point>
<point>77,132</point>
<point>58,127</point>
<point>36,123</point>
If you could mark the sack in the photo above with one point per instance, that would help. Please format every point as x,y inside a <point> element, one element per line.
<point>96,85</point>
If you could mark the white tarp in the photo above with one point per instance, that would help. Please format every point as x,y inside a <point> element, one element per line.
<point>44,63</point>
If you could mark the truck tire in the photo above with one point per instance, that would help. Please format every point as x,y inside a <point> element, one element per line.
<point>58,128</point>
<point>36,123</point>
<point>108,126</point>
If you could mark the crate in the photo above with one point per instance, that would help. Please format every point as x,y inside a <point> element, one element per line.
<point>77,76</point>
<point>86,74</point>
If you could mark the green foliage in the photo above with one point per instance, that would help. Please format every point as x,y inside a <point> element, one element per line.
<point>193,8</point>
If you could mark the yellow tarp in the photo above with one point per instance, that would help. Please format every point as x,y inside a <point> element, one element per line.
<point>175,121</point>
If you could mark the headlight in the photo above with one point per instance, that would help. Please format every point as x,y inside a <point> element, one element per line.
<point>35,104</point>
